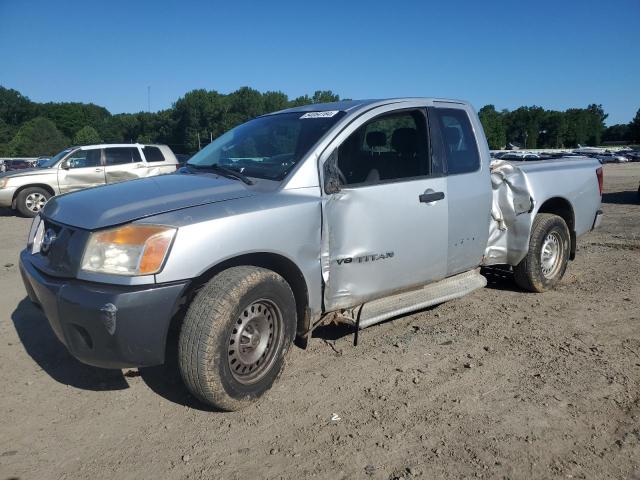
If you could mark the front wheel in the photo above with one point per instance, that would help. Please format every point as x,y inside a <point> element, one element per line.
<point>235,335</point>
<point>548,255</point>
<point>31,200</point>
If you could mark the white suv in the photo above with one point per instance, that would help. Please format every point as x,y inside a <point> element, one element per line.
<point>77,168</point>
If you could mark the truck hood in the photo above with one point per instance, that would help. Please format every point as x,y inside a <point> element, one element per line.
<point>124,202</point>
<point>29,171</point>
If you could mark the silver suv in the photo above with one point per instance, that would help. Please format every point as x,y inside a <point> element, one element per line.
<point>77,168</point>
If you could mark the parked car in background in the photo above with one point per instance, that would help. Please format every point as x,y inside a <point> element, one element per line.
<point>589,150</point>
<point>632,155</point>
<point>611,157</point>
<point>41,160</point>
<point>3,166</point>
<point>18,164</point>
<point>520,156</point>
<point>76,168</point>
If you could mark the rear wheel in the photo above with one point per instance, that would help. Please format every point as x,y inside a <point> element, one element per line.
<point>235,336</point>
<point>31,200</point>
<point>548,255</point>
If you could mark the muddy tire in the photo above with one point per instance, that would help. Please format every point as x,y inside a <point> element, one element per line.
<point>235,335</point>
<point>548,256</point>
<point>31,200</point>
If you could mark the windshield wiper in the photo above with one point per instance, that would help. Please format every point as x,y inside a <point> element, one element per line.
<point>225,172</point>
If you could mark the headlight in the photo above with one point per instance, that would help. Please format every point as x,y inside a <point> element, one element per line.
<point>129,250</point>
<point>4,181</point>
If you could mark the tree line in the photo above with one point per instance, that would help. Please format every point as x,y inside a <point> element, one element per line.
<point>32,129</point>
<point>535,127</point>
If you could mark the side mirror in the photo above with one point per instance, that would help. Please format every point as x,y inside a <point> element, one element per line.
<point>65,165</point>
<point>331,174</point>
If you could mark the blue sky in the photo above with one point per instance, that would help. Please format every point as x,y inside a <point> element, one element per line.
<point>556,54</point>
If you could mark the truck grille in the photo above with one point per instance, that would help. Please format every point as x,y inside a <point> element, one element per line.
<point>60,250</point>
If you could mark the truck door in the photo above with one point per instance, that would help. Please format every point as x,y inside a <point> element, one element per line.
<point>384,210</point>
<point>468,183</point>
<point>81,169</point>
<point>123,163</point>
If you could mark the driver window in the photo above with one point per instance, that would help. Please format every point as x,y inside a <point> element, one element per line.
<point>388,148</point>
<point>84,158</point>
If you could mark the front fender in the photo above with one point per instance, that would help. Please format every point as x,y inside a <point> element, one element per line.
<point>285,223</point>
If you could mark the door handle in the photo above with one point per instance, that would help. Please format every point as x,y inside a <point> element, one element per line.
<point>98,169</point>
<point>428,197</point>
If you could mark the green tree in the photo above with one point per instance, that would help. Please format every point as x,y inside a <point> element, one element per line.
<point>6,134</point>
<point>70,117</point>
<point>15,108</point>
<point>37,137</point>
<point>299,101</point>
<point>199,113</point>
<point>274,101</point>
<point>634,128</point>
<point>86,136</point>
<point>324,96</point>
<point>524,125</point>
<point>243,104</point>
<point>554,130</point>
<point>577,127</point>
<point>595,123</point>
<point>493,126</point>
<point>617,133</point>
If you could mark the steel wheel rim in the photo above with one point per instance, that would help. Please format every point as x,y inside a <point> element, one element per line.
<point>551,255</point>
<point>35,201</point>
<point>254,341</point>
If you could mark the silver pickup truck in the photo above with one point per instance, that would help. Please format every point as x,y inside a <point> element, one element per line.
<point>76,168</point>
<point>352,212</point>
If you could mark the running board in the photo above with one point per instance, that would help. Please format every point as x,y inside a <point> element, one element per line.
<point>432,294</point>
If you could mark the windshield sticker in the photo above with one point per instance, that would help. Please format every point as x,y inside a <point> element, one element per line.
<point>327,114</point>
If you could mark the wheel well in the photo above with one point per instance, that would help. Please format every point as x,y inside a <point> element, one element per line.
<point>561,207</point>
<point>277,263</point>
<point>44,186</point>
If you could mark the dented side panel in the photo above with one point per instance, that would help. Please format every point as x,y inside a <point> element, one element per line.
<point>511,216</point>
<point>521,189</point>
<point>380,239</point>
<point>128,171</point>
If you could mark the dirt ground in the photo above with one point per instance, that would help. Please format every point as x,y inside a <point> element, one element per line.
<point>500,384</point>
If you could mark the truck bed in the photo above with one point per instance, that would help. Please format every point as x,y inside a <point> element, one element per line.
<point>522,189</point>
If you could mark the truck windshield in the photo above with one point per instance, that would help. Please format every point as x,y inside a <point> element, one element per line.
<point>53,160</point>
<point>267,147</point>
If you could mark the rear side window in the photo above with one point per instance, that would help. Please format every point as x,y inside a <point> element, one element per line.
<point>459,141</point>
<point>153,154</point>
<point>121,155</point>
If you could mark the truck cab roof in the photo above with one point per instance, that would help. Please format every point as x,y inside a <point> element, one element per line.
<point>354,106</point>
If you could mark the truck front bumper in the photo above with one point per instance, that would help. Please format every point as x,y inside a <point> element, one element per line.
<point>6,196</point>
<point>109,326</point>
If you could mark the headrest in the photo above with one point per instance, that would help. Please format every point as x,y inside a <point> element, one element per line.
<point>376,139</point>
<point>452,135</point>
<point>404,140</point>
